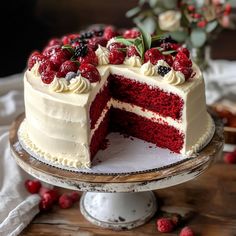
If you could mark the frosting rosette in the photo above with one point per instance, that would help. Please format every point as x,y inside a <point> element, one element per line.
<point>102,54</point>
<point>134,61</point>
<point>174,77</point>
<point>59,85</point>
<point>79,85</point>
<point>148,69</point>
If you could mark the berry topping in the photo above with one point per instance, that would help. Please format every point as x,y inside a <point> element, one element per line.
<point>46,66</point>
<point>65,201</point>
<point>116,57</point>
<point>32,186</point>
<point>78,42</point>
<point>131,34</point>
<point>81,51</point>
<point>74,196</point>
<point>153,55</point>
<point>186,231</point>
<point>230,158</point>
<point>183,59</point>
<point>187,71</point>
<point>34,57</point>
<point>54,41</point>
<point>170,46</point>
<point>46,202</point>
<point>162,70</point>
<point>48,76</point>
<point>68,38</point>
<point>90,58</point>
<point>169,59</point>
<point>95,41</point>
<point>67,66</point>
<point>86,35</point>
<point>90,72</point>
<point>50,50</point>
<point>165,225</point>
<point>109,32</point>
<point>131,51</point>
<point>59,57</point>
<point>98,32</point>
<point>184,50</point>
<point>70,76</point>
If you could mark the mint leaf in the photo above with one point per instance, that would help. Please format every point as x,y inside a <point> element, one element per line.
<point>69,48</point>
<point>126,42</point>
<point>168,52</point>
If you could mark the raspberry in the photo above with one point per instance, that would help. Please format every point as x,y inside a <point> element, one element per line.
<point>162,70</point>
<point>191,8</point>
<point>54,41</point>
<point>50,50</point>
<point>187,71</point>
<point>90,58</point>
<point>153,55</point>
<point>95,41</point>
<point>230,158</point>
<point>165,225</point>
<point>46,202</point>
<point>54,194</point>
<point>48,76</point>
<point>169,60</point>
<point>68,38</point>
<point>90,72</point>
<point>116,56</point>
<point>186,231</point>
<point>59,57</point>
<point>109,32</point>
<point>116,45</point>
<point>184,50</point>
<point>46,66</point>
<point>66,67</point>
<point>74,196</point>
<point>43,190</point>
<point>131,34</point>
<point>65,201</point>
<point>33,58</point>
<point>170,46</point>
<point>32,186</point>
<point>183,59</point>
<point>131,51</point>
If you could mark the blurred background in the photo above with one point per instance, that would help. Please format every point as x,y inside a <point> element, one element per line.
<point>27,25</point>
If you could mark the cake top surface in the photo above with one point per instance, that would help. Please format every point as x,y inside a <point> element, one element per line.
<point>76,63</point>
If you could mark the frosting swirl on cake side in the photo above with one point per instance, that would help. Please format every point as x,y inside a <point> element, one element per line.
<point>79,85</point>
<point>148,69</point>
<point>59,85</point>
<point>174,77</point>
<point>102,54</point>
<point>134,61</point>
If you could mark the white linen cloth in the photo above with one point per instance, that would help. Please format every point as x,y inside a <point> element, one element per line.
<point>17,207</point>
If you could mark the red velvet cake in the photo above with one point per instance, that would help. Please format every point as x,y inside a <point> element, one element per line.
<point>83,86</point>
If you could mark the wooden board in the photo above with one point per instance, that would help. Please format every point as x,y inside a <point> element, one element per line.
<point>204,159</point>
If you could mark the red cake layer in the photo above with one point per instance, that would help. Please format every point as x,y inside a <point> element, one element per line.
<point>99,135</point>
<point>162,135</point>
<point>98,105</point>
<point>154,99</point>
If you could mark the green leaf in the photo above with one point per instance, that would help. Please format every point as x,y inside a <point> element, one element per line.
<point>170,4</point>
<point>139,45</point>
<point>179,36</point>
<point>147,39</point>
<point>133,12</point>
<point>149,24</point>
<point>198,38</point>
<point>126,42</point>
<point>168,52</point>
<point>211,26</point>
<point>69,48</point>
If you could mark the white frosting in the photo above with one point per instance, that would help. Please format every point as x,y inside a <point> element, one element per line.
<point>35,69</point>
<point>59,85</point>
<point>162,63</point>
<point>79,84</point>
<point>102,54</point>
<point>174,77</point>
<point>134,61</point>
<point>58,123</point>
<point>148,69</point>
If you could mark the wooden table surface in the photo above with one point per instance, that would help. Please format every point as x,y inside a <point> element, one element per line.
<point>209,201</point>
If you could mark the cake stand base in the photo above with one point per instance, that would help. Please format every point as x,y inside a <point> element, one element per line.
<point>118,211</point>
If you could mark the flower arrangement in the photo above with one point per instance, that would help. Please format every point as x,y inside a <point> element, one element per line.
<point>194,23</point>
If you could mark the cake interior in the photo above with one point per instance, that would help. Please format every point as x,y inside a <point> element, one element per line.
<point>121,90</point>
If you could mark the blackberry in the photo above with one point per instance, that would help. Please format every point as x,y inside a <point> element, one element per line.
<point>167,39</point>
<point>98,33</point>
<point>162,70</point>
<point>81,41</point>
<point>81,51</point>
<point>86,35</point>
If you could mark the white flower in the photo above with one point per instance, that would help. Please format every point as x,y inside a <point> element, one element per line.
<point>169,20</point>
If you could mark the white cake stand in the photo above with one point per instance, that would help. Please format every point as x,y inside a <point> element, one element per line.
<point>118,199</point>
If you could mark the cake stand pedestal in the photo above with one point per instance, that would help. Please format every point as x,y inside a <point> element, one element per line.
<point>118,200</point>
